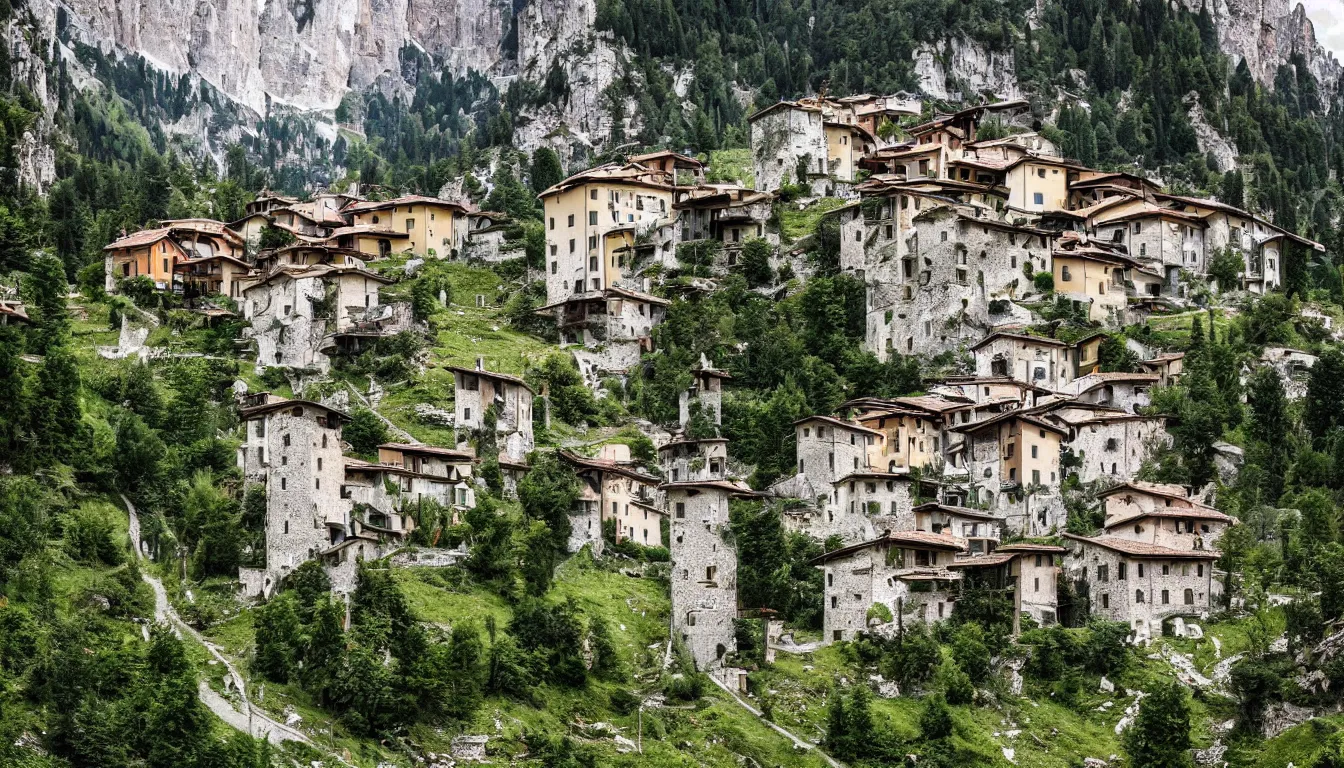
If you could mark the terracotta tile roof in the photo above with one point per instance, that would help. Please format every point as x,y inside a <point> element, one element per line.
<point>428,450</point>
<point>975,514</point>
<point>1142,550</point>
<point>1167,490</point>
<point>378,205</point>
<point>735,489</point>
<point>1043,340</point>
<point>606,465</point>
<point>984,561</point>
<point>908,539</point>
<point>137,239</point>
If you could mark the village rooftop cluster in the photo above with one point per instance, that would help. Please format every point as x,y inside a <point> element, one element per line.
<point>948,229</point>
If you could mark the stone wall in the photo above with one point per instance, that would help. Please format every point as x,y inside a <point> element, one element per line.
<point>1114,450</point>
<point>1117,599</point>
<point>704,574</point>
<point>780,140</point>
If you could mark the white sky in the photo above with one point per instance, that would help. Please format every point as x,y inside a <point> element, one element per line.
<point>1328,18</point>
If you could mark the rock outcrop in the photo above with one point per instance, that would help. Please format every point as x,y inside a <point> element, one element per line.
<point>1266,34</point>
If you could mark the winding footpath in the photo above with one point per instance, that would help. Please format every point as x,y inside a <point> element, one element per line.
<point>250,720</point>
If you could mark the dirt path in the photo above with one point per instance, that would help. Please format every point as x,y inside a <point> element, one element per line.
<point>250,720</point>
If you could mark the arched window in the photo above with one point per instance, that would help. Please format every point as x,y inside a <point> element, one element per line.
<point>1138,595</point>
<point>1189,597</point>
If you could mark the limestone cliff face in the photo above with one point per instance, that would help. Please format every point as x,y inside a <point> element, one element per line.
<point>302,53</point>
<point>1266,33</point>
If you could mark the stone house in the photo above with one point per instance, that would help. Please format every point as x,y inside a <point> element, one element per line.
<point>1036,360</point>
<point>706,391</point>
<point>862,503</point>
<point>694,460</point>
<point>704,568</point>
<point>1162,515</point>
<point>1293,366</point>
<point>1125,391</point>
<point>1108,443</point>
<point>940,283</point>
<point>485,237</point>
<point>786,138</point>
<point>682,170</point>
<point>727,214</point>
<point>913,431</point>
<point>1089,187</point>
<point>295,312</point>
<point>293,449</point>
<point>613,327</point>
<point>883,585</point>
<point>1141,584</point>
<point>592,220</point>
<point>829,448</point>
<point>1260,243</point>
<point>1037,572</point>
<point>979,529</point>
<point>615,489</point>
<point>1168,366</point>
<point>476,390</point>
<point>389,494</point>
<point>1013,464</point>
<point>434,228</point>
<point>1168,238</point>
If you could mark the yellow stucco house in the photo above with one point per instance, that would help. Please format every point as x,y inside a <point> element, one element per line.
<point>427,226</point>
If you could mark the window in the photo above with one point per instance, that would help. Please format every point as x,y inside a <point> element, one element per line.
<point>1038,198</point>
<point>1064,275</point>
<point>1140,570</point>
<point>410,224</point>
<point>555,265</point>
<point>1120,571</point>
<point>1138,595</point>
<point>571,245</point>
<point>1040,173</point>
<point>592,218</point>
<point>1103,574</point>
<point>681,510</point>
<point>1033,451</point>
<point>1105,600</point>
<point>835,601</point>
<point>1200,570</point>
<point>282,483</point>
<point>571,219</point>
<point>1038,583</point>
<point>711,572</point>
<point>165,265</point>
<point>1166,597</point>
<point>592,244</point>
<point>286,526</point>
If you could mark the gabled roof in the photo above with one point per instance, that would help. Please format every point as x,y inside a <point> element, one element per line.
<point>905,539</point>
<point>991,560</point>
<point>974,514</point>
<point>662,153</point>
<point>995,420</point>
<point>373,230</point>
<point>396,202</point>
<point>299,271</point>
<point>428,450</point>
<point>831,420</point>
<point>1141,550</point>
<point>137,239</point>
<point>1161,490</point>
<point>733,489</point>
<point>281,404</point>
<point>613,173</point>
<point>1042,340</point>
<point>758,114</point>
<point>606,465</point>
<point>490,375</point>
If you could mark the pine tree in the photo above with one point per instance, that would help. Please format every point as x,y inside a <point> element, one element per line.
<point>1159,737</point>
<point>278,639</point>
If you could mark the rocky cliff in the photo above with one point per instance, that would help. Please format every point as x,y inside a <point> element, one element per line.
<point>1266,34</point>
<point>302,53</point>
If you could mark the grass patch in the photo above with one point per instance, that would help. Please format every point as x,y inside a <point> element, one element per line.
<point>795,223</point>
